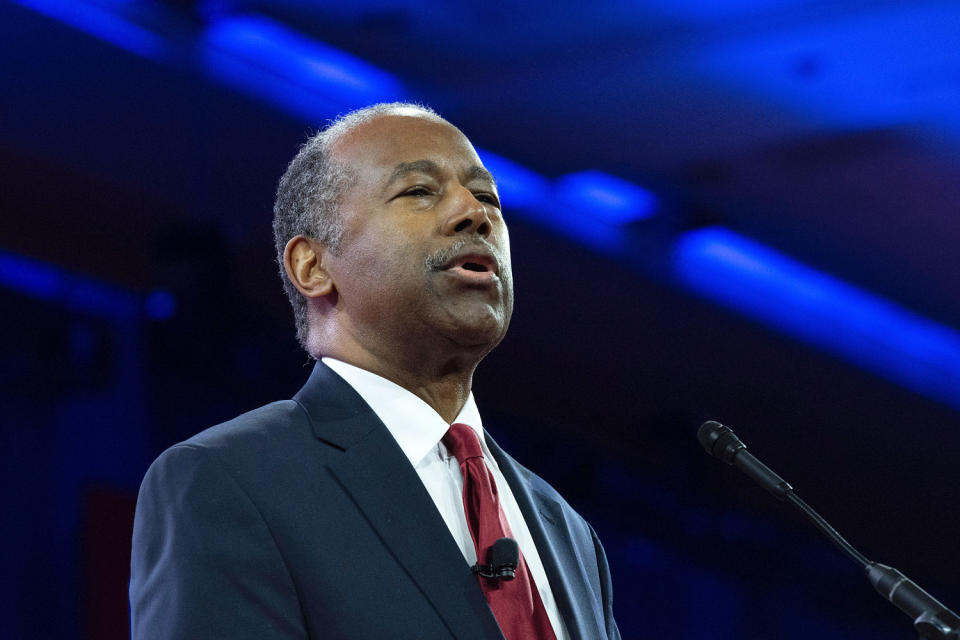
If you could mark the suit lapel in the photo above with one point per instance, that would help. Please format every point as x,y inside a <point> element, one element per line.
<point>546,521</point>
<point>379,478</point>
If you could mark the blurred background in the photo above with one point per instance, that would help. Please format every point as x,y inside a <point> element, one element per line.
<point>744,211</point>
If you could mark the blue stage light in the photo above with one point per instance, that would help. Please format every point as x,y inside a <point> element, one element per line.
<point>531,196</point>
<point>160,305</point>
<point>518,186</point>
<point>846,73</point>
<point>28,276</point>
<point>821,310</point>
<point>83,294</point>
<point>606,198</point>
<point>103,20</point>
<point>294,72</point>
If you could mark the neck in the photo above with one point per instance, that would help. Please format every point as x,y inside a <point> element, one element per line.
<point>445,394</point>
<point>444,384</point>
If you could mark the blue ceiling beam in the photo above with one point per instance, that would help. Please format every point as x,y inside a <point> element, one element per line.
<point>519,187</point>
<point>295,72</point>
<point>569,210</point>
<point>890,65</point>
<point>605,197</point>
<point>106,21</point>
<point>820,310</point>
<point>63,288</point>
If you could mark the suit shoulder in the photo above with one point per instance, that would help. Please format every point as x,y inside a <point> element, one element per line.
<point>272,421</point>
<point>544,489</point>
<point>255,440</point>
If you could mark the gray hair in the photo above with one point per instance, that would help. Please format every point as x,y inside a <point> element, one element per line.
<point>310,193</point>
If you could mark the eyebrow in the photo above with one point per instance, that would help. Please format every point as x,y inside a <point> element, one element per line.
<point>429,167</point>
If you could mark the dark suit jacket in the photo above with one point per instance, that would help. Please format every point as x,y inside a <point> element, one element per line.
<point>304,519</point>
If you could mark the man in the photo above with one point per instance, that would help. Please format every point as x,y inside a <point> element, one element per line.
<point>356,510</point>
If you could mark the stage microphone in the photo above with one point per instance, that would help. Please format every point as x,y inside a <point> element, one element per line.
<point>503,556</point>
<point>932,620</point>
<point>721,442</point>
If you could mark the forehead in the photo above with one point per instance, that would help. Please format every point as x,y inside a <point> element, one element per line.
<point>375,148</point>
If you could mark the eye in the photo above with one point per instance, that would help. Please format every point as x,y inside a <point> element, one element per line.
<point>418,191</point>
<point>488,198</point>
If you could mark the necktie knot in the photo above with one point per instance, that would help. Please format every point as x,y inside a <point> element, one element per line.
<point>462,441</point>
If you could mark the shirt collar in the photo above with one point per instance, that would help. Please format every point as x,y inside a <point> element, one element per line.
<point>413,423</point>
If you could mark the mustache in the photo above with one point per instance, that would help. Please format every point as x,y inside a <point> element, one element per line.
<point>437,260</point>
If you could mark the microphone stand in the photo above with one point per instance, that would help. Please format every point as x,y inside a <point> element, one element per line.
<point>931,619</point>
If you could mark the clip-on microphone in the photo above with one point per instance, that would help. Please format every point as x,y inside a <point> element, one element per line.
<point>502,558</point>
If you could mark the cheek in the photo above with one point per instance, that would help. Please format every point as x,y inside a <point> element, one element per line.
<point>503,243</point>
<point>383,266</point>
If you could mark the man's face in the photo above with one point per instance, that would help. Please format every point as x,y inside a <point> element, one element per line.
<point>425,256</point>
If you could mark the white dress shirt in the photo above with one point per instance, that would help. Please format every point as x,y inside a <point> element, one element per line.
<point>418,430</point>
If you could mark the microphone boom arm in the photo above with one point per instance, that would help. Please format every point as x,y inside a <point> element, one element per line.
<point>932,620</point>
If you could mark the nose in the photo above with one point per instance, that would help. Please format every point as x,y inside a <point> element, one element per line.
<point>467,215</point>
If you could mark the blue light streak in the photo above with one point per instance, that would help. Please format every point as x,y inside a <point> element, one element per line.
<point>104,21</point>
<point>848,72</point>
<point>606,197</point>
<point>160,305</point>
<point>79,293</point>
<point>535,198</point>
<point>821,310</point>
<point>295,72</point>
<point>518,186</point>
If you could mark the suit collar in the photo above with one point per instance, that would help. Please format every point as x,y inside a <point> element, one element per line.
<point>374,471</point>
<point>338,414</point>
<point>414,424</point>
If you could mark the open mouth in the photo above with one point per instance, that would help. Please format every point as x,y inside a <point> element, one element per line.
<point>473,261</point>
<point>474,266</point>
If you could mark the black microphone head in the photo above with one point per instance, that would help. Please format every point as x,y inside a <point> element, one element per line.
<point>503,557</point>
<point>719,441</point>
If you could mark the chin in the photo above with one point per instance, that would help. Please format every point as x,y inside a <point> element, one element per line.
<point>483,333</point>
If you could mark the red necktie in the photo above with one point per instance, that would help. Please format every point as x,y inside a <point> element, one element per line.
<point>516,603</point>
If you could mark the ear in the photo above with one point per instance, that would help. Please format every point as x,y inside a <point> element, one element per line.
<point>303,262</point>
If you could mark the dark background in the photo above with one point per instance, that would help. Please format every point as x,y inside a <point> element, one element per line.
<point>826,130</point>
